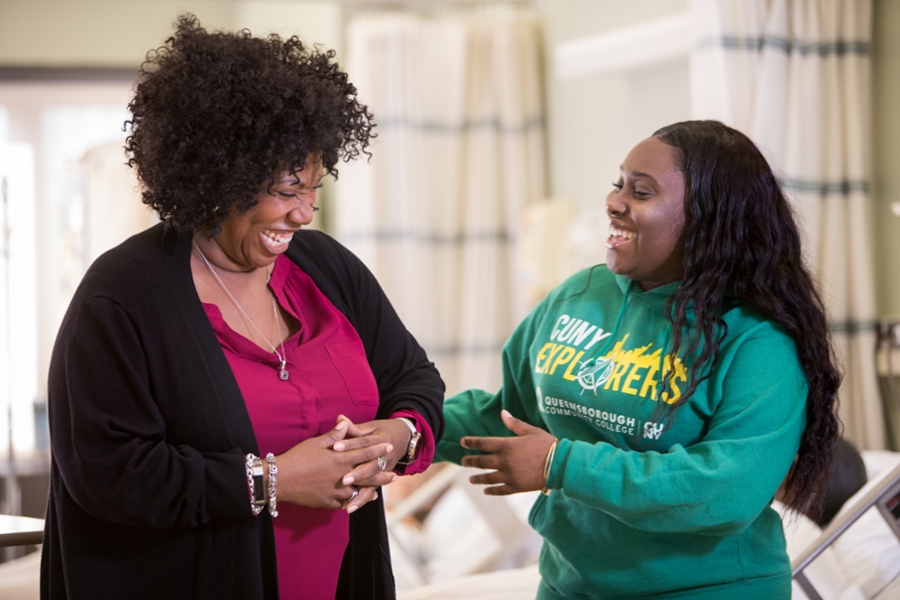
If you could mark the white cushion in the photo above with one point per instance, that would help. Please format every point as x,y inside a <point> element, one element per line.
<point>511,584</point>
<point>824,573</point>
<point>868,551</point>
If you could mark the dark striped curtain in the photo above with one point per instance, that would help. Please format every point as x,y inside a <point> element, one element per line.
<point>795,75</point>
<point>459,154</point>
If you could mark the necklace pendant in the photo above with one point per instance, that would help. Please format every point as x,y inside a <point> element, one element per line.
<point>283,373</point>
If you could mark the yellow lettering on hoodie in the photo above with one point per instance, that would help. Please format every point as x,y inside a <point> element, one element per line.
<point>568,374</point>
<point>621,367</point>
<point>564,356</point>
<point>679,375</point>
<point>553,351</point>
<point>633,375</point>
<point>542,355</point>
<point>650,381</point>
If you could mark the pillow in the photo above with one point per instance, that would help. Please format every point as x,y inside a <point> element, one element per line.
<point>868,550</point>
<point>879,462</point>
<point>457,539</point>
<point>512,584</point>
<point>869,553</point>
<point>891,592</point>
<point>824,573</point>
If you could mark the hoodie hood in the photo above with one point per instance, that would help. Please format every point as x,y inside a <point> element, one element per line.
<point>658,296</point>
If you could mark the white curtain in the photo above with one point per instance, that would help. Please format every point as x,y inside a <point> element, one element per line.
<point>459,154</point>
<point>794,75</point>
<point>113,210</point>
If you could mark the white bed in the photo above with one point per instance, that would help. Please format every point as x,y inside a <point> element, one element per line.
<point>474,547</point>
<point>863,561</point>
<point>862,564</point>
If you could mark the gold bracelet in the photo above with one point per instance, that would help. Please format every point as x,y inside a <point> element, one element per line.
<point>548,463</point>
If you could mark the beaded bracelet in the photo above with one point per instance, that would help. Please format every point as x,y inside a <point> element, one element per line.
<point>548,463</point>
<point>255,483</point>
<point>272,505</point>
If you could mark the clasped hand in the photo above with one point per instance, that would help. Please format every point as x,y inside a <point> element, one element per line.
<point>367,476</point>
<point>341,469</point>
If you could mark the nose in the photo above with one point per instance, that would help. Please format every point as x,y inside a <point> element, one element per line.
<point>301,212</point>
<point>615,206</point>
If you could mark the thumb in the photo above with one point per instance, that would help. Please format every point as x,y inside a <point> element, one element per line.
<point>337,434</point>
<point>515,425</point>
<point>355,430</point>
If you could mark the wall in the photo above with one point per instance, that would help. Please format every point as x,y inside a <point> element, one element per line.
<point>106,34</point>
<point>886,168</point>
<point>116,33</point>
<point>594,121</point>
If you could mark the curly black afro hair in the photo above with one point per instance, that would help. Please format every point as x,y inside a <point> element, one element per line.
<point>216,115</point>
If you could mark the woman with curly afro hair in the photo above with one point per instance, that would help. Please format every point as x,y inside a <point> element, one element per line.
<point>660,400</point>
<point>228,391</point>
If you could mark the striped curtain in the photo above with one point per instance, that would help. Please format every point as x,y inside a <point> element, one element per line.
<point>795,76</point>
<point>459,154</point>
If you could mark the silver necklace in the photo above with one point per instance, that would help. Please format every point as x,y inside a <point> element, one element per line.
<point>282,357</point>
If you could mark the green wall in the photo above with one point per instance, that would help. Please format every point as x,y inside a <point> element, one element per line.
<point>886,155</point>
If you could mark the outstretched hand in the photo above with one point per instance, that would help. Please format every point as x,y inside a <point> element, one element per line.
<point>517,462</point>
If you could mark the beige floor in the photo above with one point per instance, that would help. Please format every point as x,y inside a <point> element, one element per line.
<point>20,578</point>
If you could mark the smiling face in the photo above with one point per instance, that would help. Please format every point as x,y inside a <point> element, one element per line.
<point>646,211</point>
<point>256,238</point>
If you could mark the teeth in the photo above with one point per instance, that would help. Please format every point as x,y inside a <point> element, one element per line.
<point>621,233</point>
<point>279,239</point>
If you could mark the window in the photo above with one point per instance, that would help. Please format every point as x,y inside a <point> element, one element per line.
<point>48,133</point>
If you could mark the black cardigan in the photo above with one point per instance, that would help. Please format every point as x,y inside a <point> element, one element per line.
<point>148,496</point>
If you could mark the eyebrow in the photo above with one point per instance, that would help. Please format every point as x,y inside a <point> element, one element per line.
<point>295,180</point>
<point>640,174</point>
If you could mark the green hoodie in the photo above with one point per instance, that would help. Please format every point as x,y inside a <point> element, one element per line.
<point>645,506</point>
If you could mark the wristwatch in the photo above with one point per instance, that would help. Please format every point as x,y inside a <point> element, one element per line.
<point>414,437</point>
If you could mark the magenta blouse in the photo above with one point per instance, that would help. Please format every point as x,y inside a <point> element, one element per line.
<point>329,376</point>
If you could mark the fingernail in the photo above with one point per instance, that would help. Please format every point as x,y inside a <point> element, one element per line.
<point>351,508</point>
<point>462,443</point>
<point>339,446</point>
<point>341,425</point>
<point>389,449</point>
<point>375,497</point>
<point>505,413</point>
<point>395,478</point>
<point>348,480</point>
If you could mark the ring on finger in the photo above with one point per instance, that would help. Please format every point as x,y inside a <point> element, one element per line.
<point>353,495</point>
<point>382,463</point>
